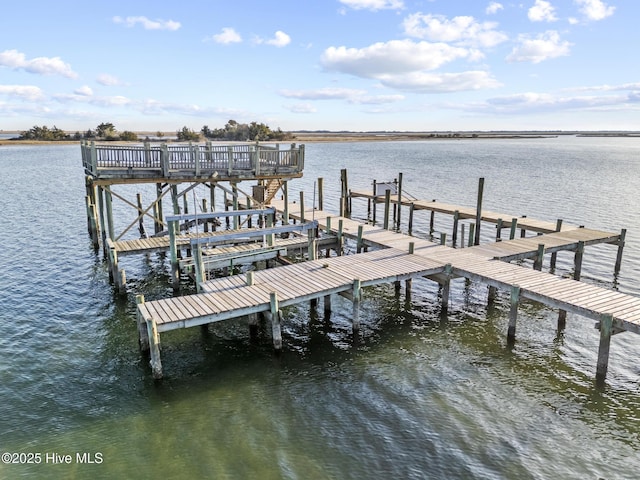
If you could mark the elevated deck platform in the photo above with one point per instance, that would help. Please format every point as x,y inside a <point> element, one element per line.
<point>109,164</point>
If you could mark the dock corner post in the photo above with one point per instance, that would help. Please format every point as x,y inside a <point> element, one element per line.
<point>479,210</point>
<point>454,233</point>
<point>275,321</point>
<point>198,265</point>
<point>154,349</point>
<point>623,234</point>
<point>410,225</point>
<point>387,206</point>
<point>357,297</point>
<point>340,237</point>
<point>399,201</point>
<point>513,314</point>
<point>432,221</point>
<point>302,207</point>
<point>562,320</point>
<point>606,330</point>
<point>285,192</point>
<point>537,264</point>
<point>577,261</point>
<point>514,227</point>
<point>143,336</point>
<point>165,163</point>
<point>499,230</point>
<point>173,252</point>
<point>554,255</point>
<point>446,288</point>
<point>320,193</point>
<point>359,240</point>
<point>374,199</point>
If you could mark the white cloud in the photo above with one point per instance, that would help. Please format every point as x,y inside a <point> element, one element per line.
<point>493,8</point>
<point>462,30</point>
<point>25,92</point>
<point>84,90</point>
<point>301,108</point>
<point>280,39</point>
<point>595,9</point>
<point>148,24</point>
<point>393,57</point>
<point>227,36</point>
<point>423,82</point>
<point>544,46</point>
<point>323,93</point>
<point>542,11</point>
<point>108,80</point>
<point>374,5</point>
<point>39,65</point>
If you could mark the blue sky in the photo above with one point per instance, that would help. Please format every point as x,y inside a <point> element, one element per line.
<point>321,64</point>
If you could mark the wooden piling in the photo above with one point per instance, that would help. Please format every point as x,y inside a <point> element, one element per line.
<point>359,239</point>
<point>340,237</point>
<point>514,226</point>
<point>537,263</point>
<point>275,315</point>
<point>143,336</point>
<point>154,349</point>
<point>141,229</point>
<point>606,331</point>
<point>623,234</point>
<point>513,313</point>
<point>479,210</point>
<point>387,205</point>
<point>454,233</point>
<point>356,297</point>
<point>577,261</point>
<point>320,193</point>
<point>398,218</point>
<point>499,230</point>
<point>472,230</point>
<point>302,219</point>
<point>446,287</point>
<point>410,226</point>
<point>375,202</point>
<point>554,255</point>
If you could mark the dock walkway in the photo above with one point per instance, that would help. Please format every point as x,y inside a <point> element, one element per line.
<point>268,291</point>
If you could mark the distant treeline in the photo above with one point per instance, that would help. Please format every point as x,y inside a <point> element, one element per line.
<point>107,131</point>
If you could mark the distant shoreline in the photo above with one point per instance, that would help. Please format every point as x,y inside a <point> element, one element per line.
<point>327,136</point>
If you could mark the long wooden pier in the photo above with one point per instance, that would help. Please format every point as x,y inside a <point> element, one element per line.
<point>401,257</point>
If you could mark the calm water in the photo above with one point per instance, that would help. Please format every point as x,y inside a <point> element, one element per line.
<point>412,396</point>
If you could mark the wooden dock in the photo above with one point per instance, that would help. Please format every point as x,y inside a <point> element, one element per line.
<point>401,257</point>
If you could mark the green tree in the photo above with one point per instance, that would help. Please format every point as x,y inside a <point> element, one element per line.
<point>128,136</point>
<point>187,135</point>
<point>107,131</point>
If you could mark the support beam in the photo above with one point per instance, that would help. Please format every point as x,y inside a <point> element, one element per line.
<point>623,234</point>
<point>537,263</point>
<point>276,317</point>
<point>577,261</point>
<point>446,287</point>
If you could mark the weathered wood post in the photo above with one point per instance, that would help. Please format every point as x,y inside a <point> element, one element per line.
<point>443,238</point>
<point>154,349</point>
<point>302,220</point>
<point>109,204</point>
<point>143,336</point>
<point>236,218</point>
<point>285,199</point>
<point>158,213</point>
<point>623,234</point>
<point>399,201</point>
<point>172,225</point>
<point>499,230</point>
<point>253,317</point>
<point>93,227</point>
<point>513,314</point>
<point>523,231</point>
<point>491,295</point>
<point>432,221</point>
<point>606,331</point>
<point>344,196</point>
<point>472,230</point>
<point>514,226</point>
<point>410,226</point>
<point>340,237</point>
<point>320,193</point>
<point>577,261</point>
<point>408,282</point>
<point>375,201</point>
<point>554,255</point>
<point>454,233</point>
<point>479,210</point>
<point>327,306</point>
<point>537,263</point>
<point>359,242</point>
<point>275,320</point>
<point>462,227</point>
<point>198,266</point>
<point>141,229</point>
<point>387,204</point>
<point>103,227</point>
<point>446,287</point>
<point>356,294</point>
<point>562,320</point>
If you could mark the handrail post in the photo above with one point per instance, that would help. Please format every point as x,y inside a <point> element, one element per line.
<point>164,160</point>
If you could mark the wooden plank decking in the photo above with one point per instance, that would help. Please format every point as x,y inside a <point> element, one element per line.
<point>258,292</point>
